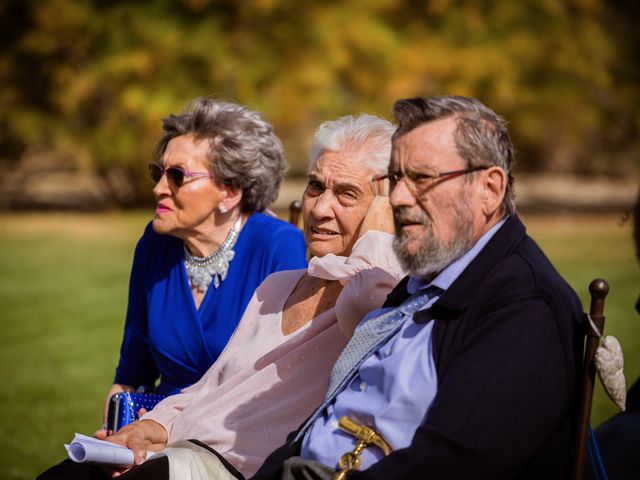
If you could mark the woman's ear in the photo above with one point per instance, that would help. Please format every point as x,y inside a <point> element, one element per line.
<point>494,190</point>
<point>232,198</point>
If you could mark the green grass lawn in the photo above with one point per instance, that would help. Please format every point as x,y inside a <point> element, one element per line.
<point>63,288</point>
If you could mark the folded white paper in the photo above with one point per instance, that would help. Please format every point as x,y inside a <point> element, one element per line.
<point>89,449</point>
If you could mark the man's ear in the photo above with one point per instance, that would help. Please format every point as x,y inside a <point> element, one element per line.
<point>494,189</point>
<point>232,198</point>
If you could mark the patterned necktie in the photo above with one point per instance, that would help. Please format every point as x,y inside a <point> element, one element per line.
<point>373,333</point>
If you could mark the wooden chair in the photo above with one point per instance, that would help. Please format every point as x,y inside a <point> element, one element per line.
<point>295,208</point>
<point>599,289</point>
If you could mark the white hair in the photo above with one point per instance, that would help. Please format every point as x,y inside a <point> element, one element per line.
<point>359,132</point>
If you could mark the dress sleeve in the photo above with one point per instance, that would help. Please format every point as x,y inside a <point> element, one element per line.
<point>286,250</point>
<point>368,275</point>
<point>136,366</point>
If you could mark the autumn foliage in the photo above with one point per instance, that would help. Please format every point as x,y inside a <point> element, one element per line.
<point>91,79</point>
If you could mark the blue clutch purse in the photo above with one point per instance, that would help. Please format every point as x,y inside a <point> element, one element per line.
<point>124,407</point>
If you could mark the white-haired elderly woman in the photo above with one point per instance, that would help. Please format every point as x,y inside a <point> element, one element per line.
<point>207,248</point>
<point>275,369</point>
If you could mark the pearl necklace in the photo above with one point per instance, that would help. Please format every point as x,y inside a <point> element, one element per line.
<point>202,270</point>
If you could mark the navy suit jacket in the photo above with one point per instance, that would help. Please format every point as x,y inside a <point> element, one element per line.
<point>507,348</point>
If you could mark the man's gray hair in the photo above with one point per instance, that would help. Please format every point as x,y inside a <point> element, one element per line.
<point>358,132</point>
<point>243,150</point>
<point>481,135</point>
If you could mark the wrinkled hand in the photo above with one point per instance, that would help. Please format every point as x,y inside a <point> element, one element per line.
<point>102,433</point>
<point>379,216</point>
<point>113,472</point>
<point>141,436</point>
<point>380,186</point>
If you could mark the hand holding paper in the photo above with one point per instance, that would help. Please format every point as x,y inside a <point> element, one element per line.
<point>131,445</point>
<point>88,449</point>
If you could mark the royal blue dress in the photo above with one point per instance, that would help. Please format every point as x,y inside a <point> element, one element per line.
<point>165,335</point>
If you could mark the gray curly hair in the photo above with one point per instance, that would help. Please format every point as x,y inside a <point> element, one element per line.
<point>481,135</point>
<point>356,131</point>
<point>243,150</point>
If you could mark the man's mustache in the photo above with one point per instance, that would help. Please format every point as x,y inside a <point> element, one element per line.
<point>403,216</point>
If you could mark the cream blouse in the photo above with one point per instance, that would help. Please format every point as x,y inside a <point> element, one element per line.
<point>265,384</point>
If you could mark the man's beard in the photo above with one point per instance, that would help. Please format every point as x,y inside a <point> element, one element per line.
<point>433,254</point>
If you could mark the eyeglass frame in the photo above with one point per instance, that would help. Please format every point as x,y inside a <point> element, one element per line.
<point>183,172</point>
<point>413,177</point>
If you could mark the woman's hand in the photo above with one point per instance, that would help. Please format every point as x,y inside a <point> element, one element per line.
<point>141,436</point>
<point>379,216</point>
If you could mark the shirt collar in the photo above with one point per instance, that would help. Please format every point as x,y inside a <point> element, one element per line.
<point>450,273</point>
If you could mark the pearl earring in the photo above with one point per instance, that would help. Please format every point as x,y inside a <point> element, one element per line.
<point>222,208</point>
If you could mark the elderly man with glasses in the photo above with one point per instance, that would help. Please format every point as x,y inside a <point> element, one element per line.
<point>469,369</point>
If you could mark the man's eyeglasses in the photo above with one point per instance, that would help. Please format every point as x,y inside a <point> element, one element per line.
<point>419,183</point>
<point>175,175</point>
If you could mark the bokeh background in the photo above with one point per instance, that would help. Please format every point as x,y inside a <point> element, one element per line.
<point>84,84</point>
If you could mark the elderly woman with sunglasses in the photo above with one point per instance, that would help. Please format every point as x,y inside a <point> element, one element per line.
<point>207,248</point>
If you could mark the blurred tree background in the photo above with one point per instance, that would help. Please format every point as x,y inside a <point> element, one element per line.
<point>85,83</point>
